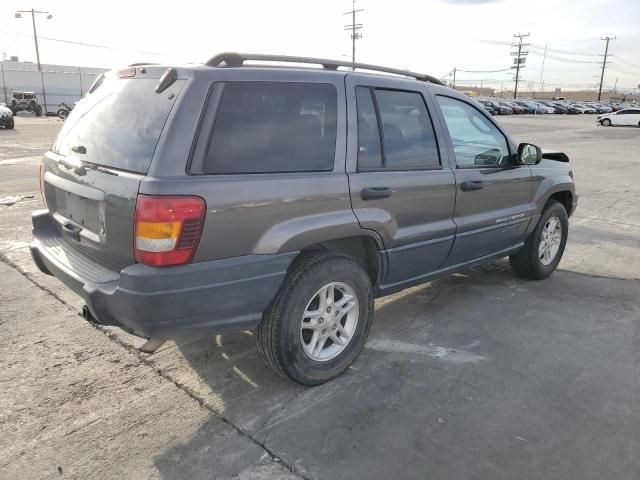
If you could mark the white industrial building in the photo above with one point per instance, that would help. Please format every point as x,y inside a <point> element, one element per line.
<point>62,83</point>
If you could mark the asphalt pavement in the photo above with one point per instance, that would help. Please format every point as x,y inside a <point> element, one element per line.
<point>481,375</point>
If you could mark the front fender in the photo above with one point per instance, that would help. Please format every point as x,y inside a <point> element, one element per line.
<point>551,181</point>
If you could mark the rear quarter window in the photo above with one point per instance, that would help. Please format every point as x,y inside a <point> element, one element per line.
<point>269,127</point>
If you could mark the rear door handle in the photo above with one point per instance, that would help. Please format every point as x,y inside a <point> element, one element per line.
<point>374,193</point>
<point>469,186</point>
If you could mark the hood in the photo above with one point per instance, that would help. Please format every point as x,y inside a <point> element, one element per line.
<point>4,109</point>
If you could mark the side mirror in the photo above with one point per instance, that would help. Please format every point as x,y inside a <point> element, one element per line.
<point>529,154</point>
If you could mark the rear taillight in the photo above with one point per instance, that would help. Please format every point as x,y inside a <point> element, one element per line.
<point>44,200</point>
<point>167,229</point>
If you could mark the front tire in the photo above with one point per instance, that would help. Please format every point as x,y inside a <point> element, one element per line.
<point>606,122</point>
<point>543,250</point>
<point>10,125</point>
<point>319,320</point>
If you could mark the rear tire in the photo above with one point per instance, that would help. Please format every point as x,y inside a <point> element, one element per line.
<point>606,122</point>
<point>536,261</point>
<point>289,326</point>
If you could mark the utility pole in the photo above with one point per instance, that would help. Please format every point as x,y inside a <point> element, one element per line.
<point>520,58</point>
<point>4,84</point>
<point>544,57</point>
<point>454,78</point>
<point>355,30</point>
<point>35,38</point>
<point>604,62</point>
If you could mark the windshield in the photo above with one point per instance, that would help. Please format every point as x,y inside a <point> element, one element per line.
<point>119,124</point>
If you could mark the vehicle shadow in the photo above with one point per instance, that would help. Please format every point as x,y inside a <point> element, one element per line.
<point>458,355</point>
<point>234,383</point>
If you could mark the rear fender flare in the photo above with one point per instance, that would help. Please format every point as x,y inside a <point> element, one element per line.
<point>302,232</point>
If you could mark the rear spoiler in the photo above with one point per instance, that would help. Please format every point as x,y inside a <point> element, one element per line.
<point>557,156</point>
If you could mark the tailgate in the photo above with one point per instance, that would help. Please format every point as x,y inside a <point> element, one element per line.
<point>93,210</point>
<point>92,174</point>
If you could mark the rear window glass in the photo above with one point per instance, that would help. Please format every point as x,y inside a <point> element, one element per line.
<point>268,127</point>
<point>119,124</point>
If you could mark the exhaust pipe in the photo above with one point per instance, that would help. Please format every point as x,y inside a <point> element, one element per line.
<point>150,346</point>
<point>88,316</point>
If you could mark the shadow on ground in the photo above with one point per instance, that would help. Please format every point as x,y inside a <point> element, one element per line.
<point>480,375</point>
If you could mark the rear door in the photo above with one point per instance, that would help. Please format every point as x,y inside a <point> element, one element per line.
<point>493,194</point>
<point>92,174</point>
<point>400,187</point>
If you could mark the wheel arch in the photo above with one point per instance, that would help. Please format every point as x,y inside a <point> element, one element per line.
<point>364,249</point>
<point>565,197</point>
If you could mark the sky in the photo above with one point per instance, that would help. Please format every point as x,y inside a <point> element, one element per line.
<point>430,36</point>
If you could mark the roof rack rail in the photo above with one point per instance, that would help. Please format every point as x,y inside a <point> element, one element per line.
<point>230,59</point>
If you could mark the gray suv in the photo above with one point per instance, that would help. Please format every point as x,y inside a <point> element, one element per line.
<point>231,196</point>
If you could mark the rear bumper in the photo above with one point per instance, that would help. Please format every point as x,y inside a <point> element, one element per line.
<point>194,300</point>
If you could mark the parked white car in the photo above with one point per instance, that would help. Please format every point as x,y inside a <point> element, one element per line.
<point>626,116</point>
<point>6,117</point>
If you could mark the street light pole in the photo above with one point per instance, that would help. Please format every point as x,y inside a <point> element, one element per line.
<point>35,39</point>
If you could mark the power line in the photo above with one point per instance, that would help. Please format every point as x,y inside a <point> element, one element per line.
<point>84,44</point>
<point>484,71</point>
<point>604,63</point>
<point>563,52</point>
<point>631,64</point>
<point>563,59</point>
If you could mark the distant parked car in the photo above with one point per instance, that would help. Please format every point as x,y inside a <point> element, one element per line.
<point>488,107</point>
<point>509,109</point>
<point>628,116</point>
<point>6,117</point>
<point>559,107</point>
<point>500,109</point>
<point>584,108</point>
<point>517,109</point>
<point>25,102</point>
<point>529,106</point>
<point>544,108</point>
<point>570,108</point>
<point>553,107</point>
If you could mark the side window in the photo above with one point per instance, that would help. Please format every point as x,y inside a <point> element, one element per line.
<point>369,153</point>
<point>402,121</point>
<point>268,127</point>
<point>476,141</point>
<point>409,141</point>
